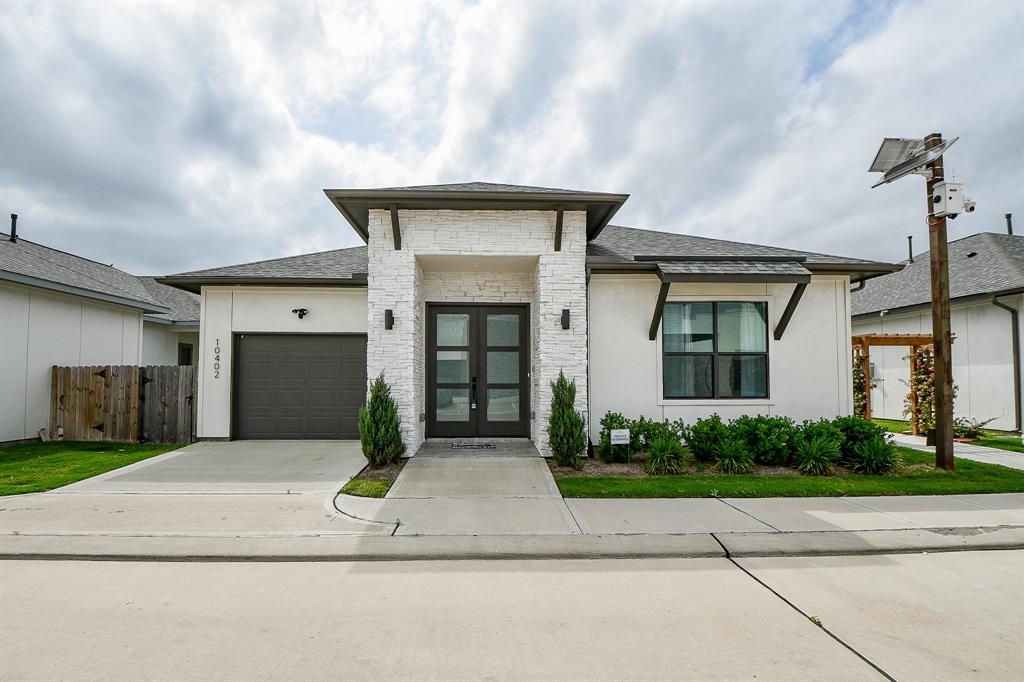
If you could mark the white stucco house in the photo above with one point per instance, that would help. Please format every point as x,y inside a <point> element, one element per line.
<point>470,298</point>
<point>986,284</point>
<point>60,309</point>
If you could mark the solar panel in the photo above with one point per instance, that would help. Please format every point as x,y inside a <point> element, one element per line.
<point>915,163</point>
<point>894,151</point>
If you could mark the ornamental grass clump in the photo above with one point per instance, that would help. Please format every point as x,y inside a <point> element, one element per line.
<point>380,434</point>
<point>816,456</point>
<point>665,456</point>
<point>875,456</point>
<point>733,457</point>
<point>565,425</point>
<point>856,431</point>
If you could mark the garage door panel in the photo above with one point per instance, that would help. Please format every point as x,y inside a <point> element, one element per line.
<point>299,385</point>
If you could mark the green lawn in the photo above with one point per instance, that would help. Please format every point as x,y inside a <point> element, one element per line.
<point>35,467</point>
<point>990,439</point>
<point>363,487</point>
<point>917,478</point>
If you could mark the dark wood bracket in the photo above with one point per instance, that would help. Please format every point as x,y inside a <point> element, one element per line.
<point>558,229</point>
<point>798,292</point>
<point>659,308</point>
<point>396,229</point>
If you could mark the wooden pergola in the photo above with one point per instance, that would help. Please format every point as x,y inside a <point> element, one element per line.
<point>862,344</point>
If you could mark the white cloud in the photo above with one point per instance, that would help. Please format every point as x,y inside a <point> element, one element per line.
<point>170,137</point>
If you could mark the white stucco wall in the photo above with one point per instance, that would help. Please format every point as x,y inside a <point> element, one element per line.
<point>397,281</point>
<point>39,329</point>
<point>226,311</point>
<point>160,343</point>
<point>809,373</point>
<point>982,360</point>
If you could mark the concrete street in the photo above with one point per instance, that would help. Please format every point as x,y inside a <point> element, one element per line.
<point>952,616</point>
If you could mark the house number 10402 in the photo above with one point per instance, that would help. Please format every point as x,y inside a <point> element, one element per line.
<point>216,360</point>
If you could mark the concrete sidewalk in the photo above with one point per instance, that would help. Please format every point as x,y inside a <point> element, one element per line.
<point>977,453</point>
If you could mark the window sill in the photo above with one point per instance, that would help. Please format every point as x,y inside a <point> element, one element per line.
<point>725,402</point>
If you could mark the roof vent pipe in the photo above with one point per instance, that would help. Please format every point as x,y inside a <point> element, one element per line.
<point>14,227</point>
<point>1009,223</point>
<point>910,248</point>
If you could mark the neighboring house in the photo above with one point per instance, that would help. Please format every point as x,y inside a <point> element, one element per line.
<point>60,309</point>
<point>986,273</point>
<point>471,298</point>
<point>171,338</point>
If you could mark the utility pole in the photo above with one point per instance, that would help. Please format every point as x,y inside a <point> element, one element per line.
<point>938,253</point>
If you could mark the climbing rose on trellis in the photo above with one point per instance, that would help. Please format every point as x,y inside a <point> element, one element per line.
<point>922,381</point>
<point>860,396</point>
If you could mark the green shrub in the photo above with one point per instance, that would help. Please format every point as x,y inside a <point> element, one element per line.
<point>968,428</point>
<point>611,420</point>
<point>665,455</point>
<point>565,425</point>
<point>705,436</point>
<point>645,431</point>
<point>856,431</point>
<point>823,429</point>
<point>816,456</point>
<point>876,456</point>
<point>733,457</point>
<point>380,434</point>
<point>770,439</point>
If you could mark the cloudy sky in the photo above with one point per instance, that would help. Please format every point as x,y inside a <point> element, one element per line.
<point>169,137</point>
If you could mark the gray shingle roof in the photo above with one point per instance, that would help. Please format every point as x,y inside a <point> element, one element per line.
<point>184,305</point>
<point>621,244</point>
<point>483,187</point>
<point>733,267</point>
<point>997,265</point>
<point>34,263</point>
<point>340,265</point>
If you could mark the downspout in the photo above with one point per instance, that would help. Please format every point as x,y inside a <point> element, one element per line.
<point>860,285</point>
<point>590,388</point>
<point>1015,343</point>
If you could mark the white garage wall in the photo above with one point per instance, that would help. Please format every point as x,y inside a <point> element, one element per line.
<point>809,366</point>
<point>226,311</point>
<point>160,343</point>
<point>39,329</point>
<point>982,361</point>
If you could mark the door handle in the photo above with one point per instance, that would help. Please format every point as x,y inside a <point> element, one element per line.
<point>472,394</point>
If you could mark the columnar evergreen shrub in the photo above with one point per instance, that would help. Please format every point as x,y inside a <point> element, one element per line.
<point>769,439</point>
<point>705,436</point>
<point>565,425</point>
<point>380,433</point>
<point>665,455</point>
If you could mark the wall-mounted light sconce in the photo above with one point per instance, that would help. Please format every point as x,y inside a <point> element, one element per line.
<point>565,318</point>
<point>301,312</point>
<point>389,319</point>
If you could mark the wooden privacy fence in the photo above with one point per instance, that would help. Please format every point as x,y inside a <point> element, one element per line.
<point>123,403</point>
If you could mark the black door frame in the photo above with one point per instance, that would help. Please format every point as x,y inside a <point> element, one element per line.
<point>477,426</point>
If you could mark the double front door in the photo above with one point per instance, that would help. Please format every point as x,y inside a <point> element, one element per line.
<point>477,370</point>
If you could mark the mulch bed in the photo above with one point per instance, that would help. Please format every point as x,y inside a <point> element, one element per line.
<point>385,473</point>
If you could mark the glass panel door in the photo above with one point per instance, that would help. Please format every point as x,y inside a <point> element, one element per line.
<point>477,371</point>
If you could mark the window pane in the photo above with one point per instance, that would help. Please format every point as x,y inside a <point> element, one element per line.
<point>453,404</point>
<point>742,327</point>
<point>502,367</point>
<point>743,376</point>
<point>503,404</point>
<point>687,328</point>
<point>453,329</point>
<point>453,366</point>
<point>688,376</point>
<point>503,330</point>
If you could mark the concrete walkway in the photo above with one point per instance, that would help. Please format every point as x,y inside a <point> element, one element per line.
<point>977,453</point>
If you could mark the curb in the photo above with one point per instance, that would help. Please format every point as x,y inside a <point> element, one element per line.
<point>504,547</point>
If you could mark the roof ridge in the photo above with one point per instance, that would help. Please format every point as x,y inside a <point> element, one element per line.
<point>268,260</point>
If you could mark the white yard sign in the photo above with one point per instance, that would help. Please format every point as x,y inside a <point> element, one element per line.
<point>620,436</point>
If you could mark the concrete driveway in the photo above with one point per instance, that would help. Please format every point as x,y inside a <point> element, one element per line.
<point>235,467</point>
<point>222,489</point>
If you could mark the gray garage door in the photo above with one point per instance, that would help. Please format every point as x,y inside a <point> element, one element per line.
<point>294,386</point>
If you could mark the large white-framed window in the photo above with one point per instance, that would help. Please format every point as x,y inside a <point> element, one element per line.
<point>715,350</point>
